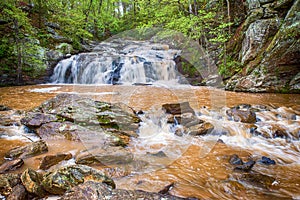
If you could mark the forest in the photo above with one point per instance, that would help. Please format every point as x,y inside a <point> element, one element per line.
<point>240,36</point>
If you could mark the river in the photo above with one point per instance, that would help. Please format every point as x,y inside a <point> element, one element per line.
<point>201,168</point>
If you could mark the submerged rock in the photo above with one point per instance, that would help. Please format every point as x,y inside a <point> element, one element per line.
<point>29,150</point>
<point>4,108</point>
<point>11,165</point>
<point>51,160</point>
<point>32,181</point>
<point>257,180</point>
<point>63,179</point>
<point>94,191</point>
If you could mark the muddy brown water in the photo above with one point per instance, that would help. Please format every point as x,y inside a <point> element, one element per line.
<point>195,174</point>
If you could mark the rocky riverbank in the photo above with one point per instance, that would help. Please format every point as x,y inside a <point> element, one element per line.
<point>107,130</point>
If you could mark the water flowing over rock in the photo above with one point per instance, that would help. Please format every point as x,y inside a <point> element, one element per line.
<point>119,61</point>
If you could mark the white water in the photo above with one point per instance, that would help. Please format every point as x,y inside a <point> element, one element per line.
<point>129,62</point>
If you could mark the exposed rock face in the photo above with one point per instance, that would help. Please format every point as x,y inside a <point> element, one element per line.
<point>267,45</point>
<point>63,179</point>
<point>94,191</point>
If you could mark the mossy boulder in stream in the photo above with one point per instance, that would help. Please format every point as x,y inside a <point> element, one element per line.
<point>32,181</point>
<point>63,179</point>
<point>74,117</point>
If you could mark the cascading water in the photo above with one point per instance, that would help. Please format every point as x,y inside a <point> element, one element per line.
<point>128,62</point>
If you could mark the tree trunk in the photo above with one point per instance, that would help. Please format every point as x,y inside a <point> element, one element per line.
<point>19,52</point>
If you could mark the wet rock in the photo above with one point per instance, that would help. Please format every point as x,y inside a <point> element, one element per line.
<point>257,179</point>
<point>4,108</point>
<point>51,160</point>
<point>11,165</point>
<point>106,156</point>
<point>94,191</point>
<point>59,130</point>
<point>167,189</point>
<point>200,129</point>
<point>18,193</point>
<point>8,121</point>
<point>266,161</point>
<point>159,154</point>
<point>29,150</point>
<point>37,119</point>
<point>32,181</point>
<point>7,182</point>
<point>245,116</point>
<point>63,179</point>
<point>178,108</point>
<point>235,160</point>
<point>246,167</point>
<point>78,115</point>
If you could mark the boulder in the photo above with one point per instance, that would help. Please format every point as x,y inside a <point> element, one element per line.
<point>245,116</point>
<point>63,179</point>
<point>18,193</point>
<point>266,161</point>
<point>37,119</point>
<point>235,160</point>
<point>32,181</point>
<point>178,108</point>
<point>94,191</point>
<point>245,167</point>
<point>106,156</point>
<point>7,182</point>
<point>29,150</point>
<point>50,160</point>
<point>200,129</point>
<point>11,165</point>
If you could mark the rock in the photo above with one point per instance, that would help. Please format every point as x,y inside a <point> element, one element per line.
<point>52,25</point>
<point>94,191</point>
<point>107,156</point>
<point>37,119</point>
<point>266,161</point>
<point>178,108</point>
<point>257,179</point>
<point>51,160</point>
<point>7,182</point>
<point>245,116</point>
<point>4,108</point>
<point>32,181</point>
<point>200,129</point>
<point>63,179</point>
<point>167,189</point>
<point>11,165</point>
<point>159,154</point>
<point>270,49</point>
<point>235,160</point>
<point>29,150</point>
<point>18,193</point>
<point>246,167</point>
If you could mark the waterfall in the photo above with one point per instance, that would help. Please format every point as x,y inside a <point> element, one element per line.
<point>119,63</point>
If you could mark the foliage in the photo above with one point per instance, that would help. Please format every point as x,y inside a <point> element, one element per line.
<point>79,21</point>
